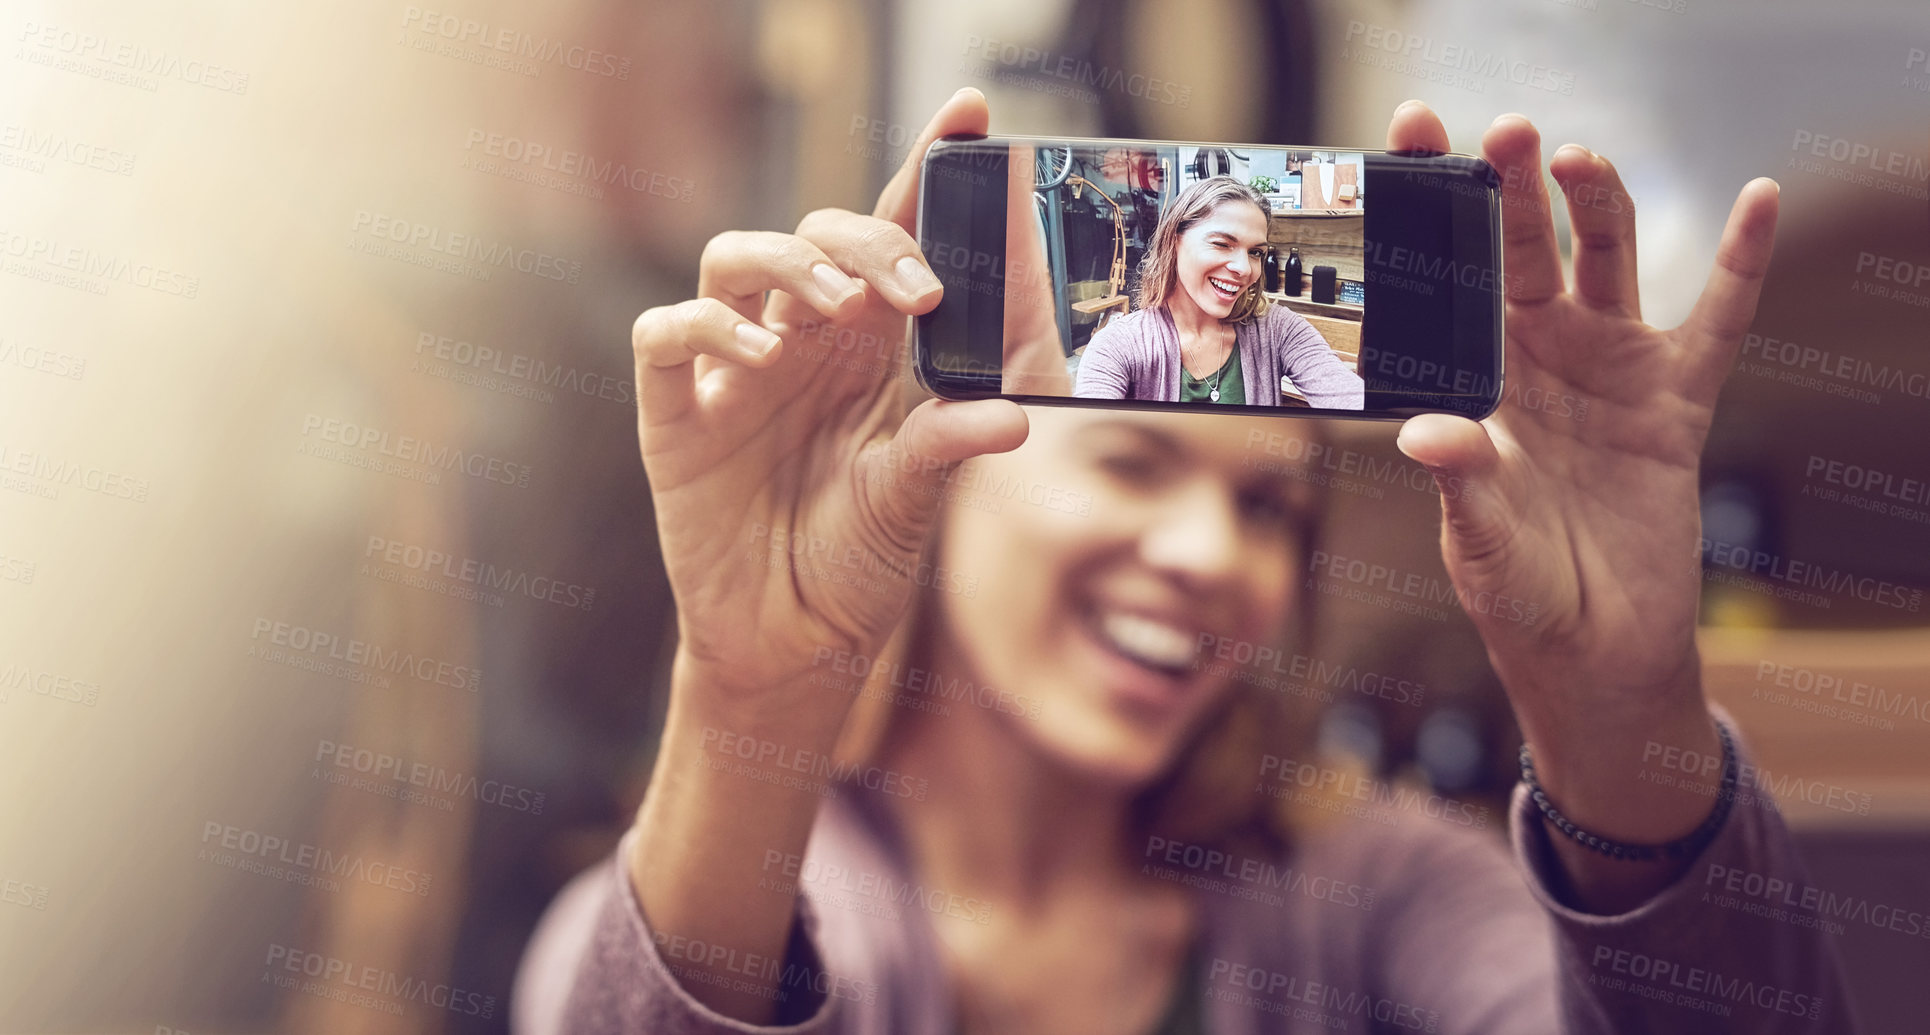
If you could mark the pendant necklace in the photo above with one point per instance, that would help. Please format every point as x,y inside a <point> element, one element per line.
<point>1213,391</point>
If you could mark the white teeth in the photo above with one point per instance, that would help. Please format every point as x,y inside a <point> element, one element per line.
<point>1224,285</point>
<point>1155,643</point>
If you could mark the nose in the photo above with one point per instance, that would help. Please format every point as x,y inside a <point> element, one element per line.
<point>1195,536</point>
<point>1238,265</point>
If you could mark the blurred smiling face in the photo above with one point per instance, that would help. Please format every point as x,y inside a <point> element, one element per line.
<point>1219,257</point>
<point>1153,535</point>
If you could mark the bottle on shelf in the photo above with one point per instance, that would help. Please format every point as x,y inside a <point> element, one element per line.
<point>1291,273</point>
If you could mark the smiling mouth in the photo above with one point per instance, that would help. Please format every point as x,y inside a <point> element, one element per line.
<point>1226,289</point>
<point>1165,648</point>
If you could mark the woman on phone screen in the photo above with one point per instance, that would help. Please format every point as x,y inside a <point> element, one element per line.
<point>931,766</point>
<point>1201,331</point>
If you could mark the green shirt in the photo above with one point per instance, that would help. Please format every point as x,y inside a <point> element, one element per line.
<point>1232,383</point>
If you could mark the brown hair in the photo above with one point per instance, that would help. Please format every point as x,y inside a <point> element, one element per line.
<point>1159,269</point>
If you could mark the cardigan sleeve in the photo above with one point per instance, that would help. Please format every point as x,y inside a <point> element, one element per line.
<point>1462,936</point>
<point>1310,363</point>
<point>1103,367</point>
<point>596,967</point>
<point>1696,957</point>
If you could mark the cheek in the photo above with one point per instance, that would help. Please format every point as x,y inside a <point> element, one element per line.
<point>966,545</point>
<point>1277,602</point>
<point>1273,587</point>
<point>1014,551</point>
<point>1191,262</point>
<point>1278,555</point>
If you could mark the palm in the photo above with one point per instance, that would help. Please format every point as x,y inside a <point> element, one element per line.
<point>1580,499</point>
<point>1598,449</point>
<point>763,489</point>
<point>794,494</point>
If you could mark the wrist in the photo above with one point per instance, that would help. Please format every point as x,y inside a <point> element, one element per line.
<point>736,777</point>
<point>1681,848</point>
<point>802,710</point>
<point>1613,766</point>
<point>1625,788</point>
<point>730,805</point>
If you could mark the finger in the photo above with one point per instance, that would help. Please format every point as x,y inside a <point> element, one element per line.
<point>880,252</point>
<point>907,475</point>
<point>1528,249</point>
<point>667,341</point>
<point>1464,462</point>
<point>949,432</point>
<point>1727,307</point>
<point>964,112</point>
<point>1416,128</point>
<point>738,266</point>
<point>1603,217</point>
<point>1035,359</point>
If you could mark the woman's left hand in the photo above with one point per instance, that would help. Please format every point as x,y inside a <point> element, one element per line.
<point>1571,522</point>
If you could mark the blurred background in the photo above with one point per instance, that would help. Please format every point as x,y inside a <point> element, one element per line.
<point>332,622</point>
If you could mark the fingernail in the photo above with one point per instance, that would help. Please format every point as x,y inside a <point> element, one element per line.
<point>836,286</point>
<point>756,340</point>
<point>914,277</point>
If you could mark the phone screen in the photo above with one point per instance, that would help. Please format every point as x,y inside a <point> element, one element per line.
<point>1152,275</point>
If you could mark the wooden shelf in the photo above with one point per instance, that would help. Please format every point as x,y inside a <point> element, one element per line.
<point>1306,306</point>
<point>1325,237</point>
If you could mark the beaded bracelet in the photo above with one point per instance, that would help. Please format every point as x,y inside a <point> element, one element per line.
<point>1679,849</point>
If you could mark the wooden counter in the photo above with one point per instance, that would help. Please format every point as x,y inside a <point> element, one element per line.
<point>1848,710</point>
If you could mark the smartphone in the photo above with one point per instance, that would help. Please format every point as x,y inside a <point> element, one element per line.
<point>1145,274</point>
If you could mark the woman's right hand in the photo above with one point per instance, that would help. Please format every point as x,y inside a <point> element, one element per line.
<point>794,495</point>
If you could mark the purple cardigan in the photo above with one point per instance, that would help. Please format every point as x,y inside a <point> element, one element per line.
<point>1137,357</point>
<point>1421,926</point>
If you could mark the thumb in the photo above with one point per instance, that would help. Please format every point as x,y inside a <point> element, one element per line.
<point>964,112</point>
<point>1465,464</point>
<point>905,479</point>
